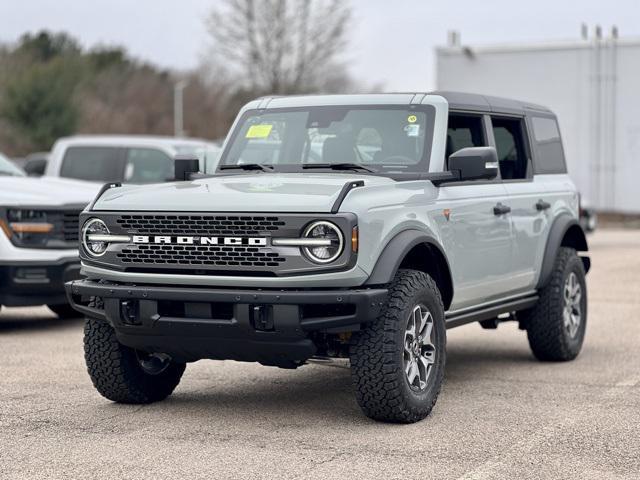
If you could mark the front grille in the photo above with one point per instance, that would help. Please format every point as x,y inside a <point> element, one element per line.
<point>221,256</point>
<point>206,225</point>
<point>70,225</point>
<point>200,256</point>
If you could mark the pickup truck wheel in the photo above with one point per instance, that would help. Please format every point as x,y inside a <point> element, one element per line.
<point>556,325</point>
<point>398,360</point>
<point>64,311</point>
<point>125,375</point>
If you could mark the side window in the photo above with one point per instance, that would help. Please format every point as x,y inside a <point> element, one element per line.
<point>147,165</point>
<point>464,131</point>
<point>510,145</point>
<point>549,153</point>
<point>98,164</point>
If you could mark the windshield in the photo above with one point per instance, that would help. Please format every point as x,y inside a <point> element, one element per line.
<point>8,168</point>
<point>380,139</point>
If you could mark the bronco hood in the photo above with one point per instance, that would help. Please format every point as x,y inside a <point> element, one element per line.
<point>263,192</point>
<point>44,192</point>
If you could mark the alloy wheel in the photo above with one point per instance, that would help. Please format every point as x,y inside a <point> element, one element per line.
<point>419,350</point>
<point>572,313</point>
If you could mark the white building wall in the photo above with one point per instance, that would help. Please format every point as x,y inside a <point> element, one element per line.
<point>576,81</point>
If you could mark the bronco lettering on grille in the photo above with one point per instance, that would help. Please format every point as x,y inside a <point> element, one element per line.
<point>187,240</point>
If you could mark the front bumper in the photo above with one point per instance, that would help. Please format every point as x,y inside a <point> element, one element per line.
<point>29,283</point>
<point>189,323</point>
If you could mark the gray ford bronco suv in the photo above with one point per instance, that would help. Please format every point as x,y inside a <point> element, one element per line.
<point>354,226</point>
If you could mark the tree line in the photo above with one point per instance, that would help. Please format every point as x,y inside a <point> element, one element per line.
<point>50,86</point>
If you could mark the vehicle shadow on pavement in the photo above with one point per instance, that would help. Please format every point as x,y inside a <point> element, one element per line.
<point>311,391</point>
<point>15,321</point>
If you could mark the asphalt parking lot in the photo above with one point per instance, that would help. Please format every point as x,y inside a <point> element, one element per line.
<point>501,413</point>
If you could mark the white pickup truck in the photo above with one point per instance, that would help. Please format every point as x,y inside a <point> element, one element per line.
<point>39,237</point>
<point>124,158</point>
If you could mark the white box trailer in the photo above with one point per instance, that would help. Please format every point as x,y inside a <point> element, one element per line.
<point>593,85</point>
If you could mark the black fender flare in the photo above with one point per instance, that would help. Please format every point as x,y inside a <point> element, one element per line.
<point>559,229</point>
<point>397,249</point>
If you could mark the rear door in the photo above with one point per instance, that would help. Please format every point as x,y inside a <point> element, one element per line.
<point>478,241</point>
<point>527,198</point>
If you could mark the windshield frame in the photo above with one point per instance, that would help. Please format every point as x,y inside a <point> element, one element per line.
<point>420,167</point>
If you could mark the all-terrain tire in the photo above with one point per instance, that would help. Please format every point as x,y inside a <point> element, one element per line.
<point>116,371</point>
<point>377,354</point>
<point>64,311</point>
<point>548,335</point>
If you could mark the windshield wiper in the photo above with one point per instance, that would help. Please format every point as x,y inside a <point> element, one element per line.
<point>248,166</point>
<point>338,166</point>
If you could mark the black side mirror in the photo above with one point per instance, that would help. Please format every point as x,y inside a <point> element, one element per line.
<point>185,165</point>
<point>35,167</point>
<point>474,163</point>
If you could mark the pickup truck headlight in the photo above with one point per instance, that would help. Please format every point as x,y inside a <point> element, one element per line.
<point>92,231</point>
<point>332,246</point>
<point>29,228</point>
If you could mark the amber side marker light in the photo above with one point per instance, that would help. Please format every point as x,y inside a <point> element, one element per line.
<point>24,227</point>
<point>354,239</point>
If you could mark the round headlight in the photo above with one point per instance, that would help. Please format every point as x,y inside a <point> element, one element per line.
<point>334,242</point>
<point>94,226</point>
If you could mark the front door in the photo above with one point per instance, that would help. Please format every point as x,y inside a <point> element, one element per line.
<point>476,236</point>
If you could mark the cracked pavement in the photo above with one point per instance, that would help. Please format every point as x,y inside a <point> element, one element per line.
<point>501,414</point>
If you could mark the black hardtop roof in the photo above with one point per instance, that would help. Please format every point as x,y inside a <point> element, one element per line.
<point>487,103</point>
<point>457,101</point>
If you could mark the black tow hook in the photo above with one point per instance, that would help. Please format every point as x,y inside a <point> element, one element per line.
<point>262,317</point>
<point>130,312</point>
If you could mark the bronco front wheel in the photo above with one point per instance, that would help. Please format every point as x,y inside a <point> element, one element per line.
<point>398,360</point>
<point>125,375</point>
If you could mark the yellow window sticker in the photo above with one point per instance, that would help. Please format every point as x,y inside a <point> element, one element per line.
<point>259,131</point>
<point>412,119</point>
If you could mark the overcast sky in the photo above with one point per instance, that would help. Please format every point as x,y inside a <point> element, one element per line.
<point>392,41</point>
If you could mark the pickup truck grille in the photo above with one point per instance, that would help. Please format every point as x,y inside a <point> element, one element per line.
<point>200,224</point>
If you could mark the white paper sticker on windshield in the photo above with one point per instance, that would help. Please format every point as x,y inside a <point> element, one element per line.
<point>412,130</point>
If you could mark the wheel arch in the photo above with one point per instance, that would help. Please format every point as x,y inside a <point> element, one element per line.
<point>416,250</point>
<point>565,232</point>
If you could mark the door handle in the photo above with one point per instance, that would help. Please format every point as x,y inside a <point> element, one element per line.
<point>542,205</point>
<point>501,209</point>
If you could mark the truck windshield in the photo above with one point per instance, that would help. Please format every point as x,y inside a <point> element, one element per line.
<point>380,140</point>
<point>8,168</point>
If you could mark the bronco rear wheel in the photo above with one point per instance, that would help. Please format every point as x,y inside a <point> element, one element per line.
<point>556,325</point>
<point>398,360</point>
<point>125,375</point>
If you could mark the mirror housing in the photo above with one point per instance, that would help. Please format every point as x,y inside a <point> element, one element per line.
<point>35,167</point>
<point>184,166</point>
<point>474,163</point>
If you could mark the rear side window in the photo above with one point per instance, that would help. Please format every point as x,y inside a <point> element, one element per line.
<point>97,164</point>
<point>511,147</point>
<point>549,152</point>
<point>464,131</point>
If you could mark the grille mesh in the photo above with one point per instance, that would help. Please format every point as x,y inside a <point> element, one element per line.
<point>200,255</point>
<point>209,225</point>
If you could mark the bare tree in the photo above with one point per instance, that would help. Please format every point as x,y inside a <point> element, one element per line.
<point>282,46</point>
